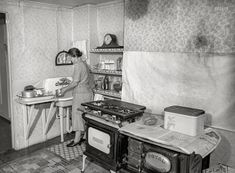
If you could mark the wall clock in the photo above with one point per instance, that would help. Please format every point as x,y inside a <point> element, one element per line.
<point>110,41</point>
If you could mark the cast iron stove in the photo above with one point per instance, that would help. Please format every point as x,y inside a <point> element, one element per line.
<point>104,143</point>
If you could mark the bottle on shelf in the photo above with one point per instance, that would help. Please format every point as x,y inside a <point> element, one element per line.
<point>106,83</point>
<point>119,64</point>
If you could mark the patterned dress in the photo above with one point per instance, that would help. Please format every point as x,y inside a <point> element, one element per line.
<point>81,93</point>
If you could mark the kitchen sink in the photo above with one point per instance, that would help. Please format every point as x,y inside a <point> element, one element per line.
<point>64,101</point>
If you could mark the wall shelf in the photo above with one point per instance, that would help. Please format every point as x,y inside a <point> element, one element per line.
<point>116,54</point>
<point>107,72</point>
<point>107,50</point>
<point>108,93</point>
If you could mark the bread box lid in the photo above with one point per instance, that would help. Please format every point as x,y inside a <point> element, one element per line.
<point>184,110</point>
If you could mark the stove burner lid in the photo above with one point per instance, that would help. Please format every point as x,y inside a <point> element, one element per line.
<point>123,109</point>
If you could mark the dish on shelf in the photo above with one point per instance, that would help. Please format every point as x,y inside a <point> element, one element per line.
<point>117,87</point>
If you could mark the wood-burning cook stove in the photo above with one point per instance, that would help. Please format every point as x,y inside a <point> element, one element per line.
<point>104,143</point>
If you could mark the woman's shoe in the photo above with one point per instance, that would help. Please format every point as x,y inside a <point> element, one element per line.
<point>81,141</point>
<point>72,143</point>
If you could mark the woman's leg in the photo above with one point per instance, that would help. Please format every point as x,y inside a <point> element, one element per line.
<point>78,136</point>
<point>78,123</point>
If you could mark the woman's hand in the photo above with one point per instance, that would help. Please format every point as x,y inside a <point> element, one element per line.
<point>62,91</point>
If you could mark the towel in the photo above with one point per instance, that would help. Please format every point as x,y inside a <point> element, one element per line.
<point>82,46</point>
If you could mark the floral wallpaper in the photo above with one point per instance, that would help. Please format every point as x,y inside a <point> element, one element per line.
<point>180,26</point>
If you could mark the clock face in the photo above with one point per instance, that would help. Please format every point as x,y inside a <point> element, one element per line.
<point>107,39</point>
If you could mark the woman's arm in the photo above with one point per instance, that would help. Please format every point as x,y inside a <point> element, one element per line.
<point>72,85</point>
<point>76,79</point>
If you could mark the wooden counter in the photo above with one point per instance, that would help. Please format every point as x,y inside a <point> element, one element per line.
<point>30,114</point>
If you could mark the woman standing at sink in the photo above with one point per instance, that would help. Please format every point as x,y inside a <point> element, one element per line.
<point>82,86</point>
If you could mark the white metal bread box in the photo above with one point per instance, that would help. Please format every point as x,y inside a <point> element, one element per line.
<point>186,120</point>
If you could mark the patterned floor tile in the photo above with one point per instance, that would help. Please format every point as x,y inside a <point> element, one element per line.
<point>45,161</point>
<point>7,169</point>
<point>42,161</point>
<point>68,153</point>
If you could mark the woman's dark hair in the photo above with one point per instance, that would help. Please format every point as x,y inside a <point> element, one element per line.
<point>74,52</point>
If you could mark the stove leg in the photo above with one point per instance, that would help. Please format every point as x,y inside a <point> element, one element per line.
<point>83,162</point>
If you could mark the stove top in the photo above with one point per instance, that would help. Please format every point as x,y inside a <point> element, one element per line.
<point>123,110</point>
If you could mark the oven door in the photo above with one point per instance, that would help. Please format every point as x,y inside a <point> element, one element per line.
<point>161,160</point>
<point>100,140</point>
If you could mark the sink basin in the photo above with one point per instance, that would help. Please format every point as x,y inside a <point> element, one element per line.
<point>50,86</point>
<point>64,101</point>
